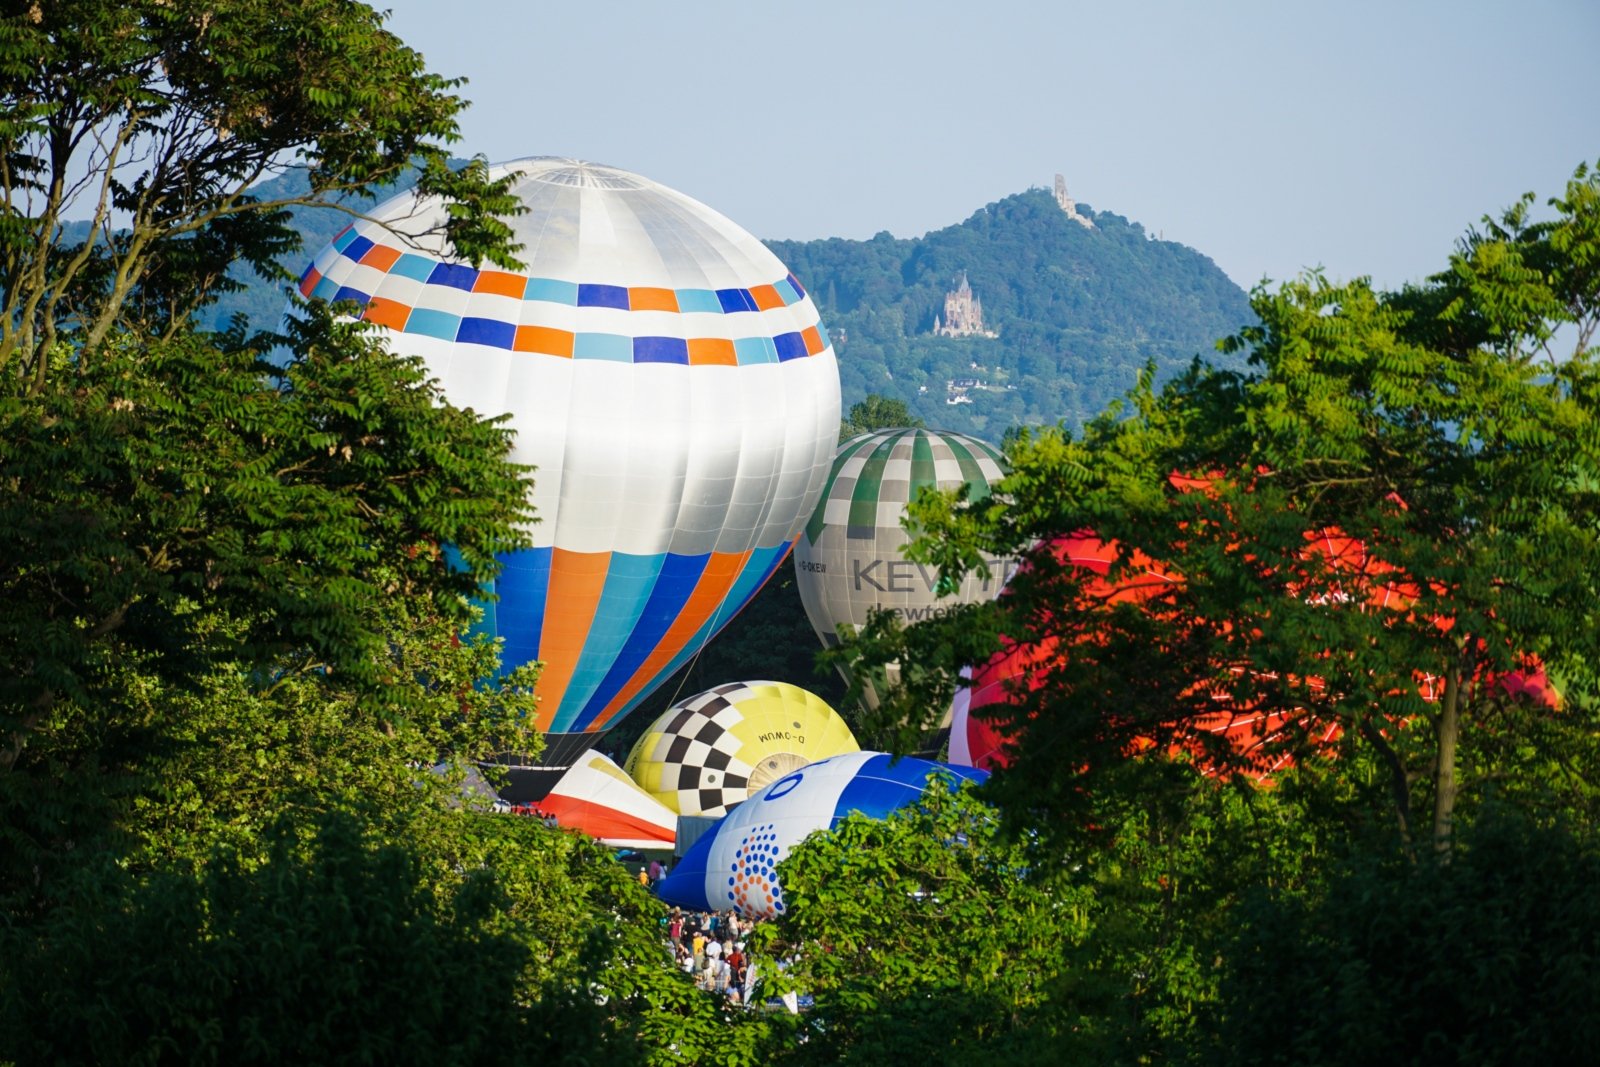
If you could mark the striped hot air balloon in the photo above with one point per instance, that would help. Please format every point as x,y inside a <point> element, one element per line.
<point>666,375</point>
<point>850,559</point>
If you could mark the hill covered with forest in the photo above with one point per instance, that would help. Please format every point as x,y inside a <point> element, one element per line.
<point>1078,311</point>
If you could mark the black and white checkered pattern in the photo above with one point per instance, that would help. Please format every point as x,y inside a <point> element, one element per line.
<point>698,754</point>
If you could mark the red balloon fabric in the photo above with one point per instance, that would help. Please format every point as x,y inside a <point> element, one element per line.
<point>1345,570</point>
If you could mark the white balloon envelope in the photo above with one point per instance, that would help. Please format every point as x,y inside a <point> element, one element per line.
<point>597,798</point>
<point>667,376</point>
<point>734,865</point>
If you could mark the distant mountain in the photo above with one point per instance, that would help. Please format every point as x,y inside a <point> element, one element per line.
<point>1077,310</point>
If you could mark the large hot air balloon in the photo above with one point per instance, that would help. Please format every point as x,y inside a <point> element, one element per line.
<point>850,559</point>
<point>707,753</point>
<point>665,374</point>
<point>733,866</point>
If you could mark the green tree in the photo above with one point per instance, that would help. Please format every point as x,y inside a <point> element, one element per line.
<point>925,936</point>
<point>313,952</point>
<point>178,511</point>
<point>209,558</point>
<point>1485,959</point>
<point>936,937</point>
<point>466,936</point>
<point>876,413</point>
<point>1437,427</point>
<point>232,649</point>
<point>154,119</point>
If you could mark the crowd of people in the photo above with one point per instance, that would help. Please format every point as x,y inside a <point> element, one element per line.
<point>536,812</point>
<point>709,946</point>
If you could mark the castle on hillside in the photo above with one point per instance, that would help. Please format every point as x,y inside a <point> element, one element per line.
<point>963,313</point>
<point>1069,205</point>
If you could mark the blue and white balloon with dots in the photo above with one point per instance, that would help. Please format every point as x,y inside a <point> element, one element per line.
<point>733,867</point>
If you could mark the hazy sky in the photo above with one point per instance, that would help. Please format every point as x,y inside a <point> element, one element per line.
<point>1363,136</point>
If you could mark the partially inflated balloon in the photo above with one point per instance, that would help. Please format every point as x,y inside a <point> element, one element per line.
<point>851,559</point>
<point>707,753</point>
<point>597,798</point>
<point>997,684</point>
<point>975,741</point>
<point>734,865</point>
<point>984,714</point>
<point>665,374</point>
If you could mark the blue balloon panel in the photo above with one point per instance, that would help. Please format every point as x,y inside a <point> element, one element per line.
<point>734,866</point>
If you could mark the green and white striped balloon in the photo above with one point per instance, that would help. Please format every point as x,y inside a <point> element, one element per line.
<point>850,559</point>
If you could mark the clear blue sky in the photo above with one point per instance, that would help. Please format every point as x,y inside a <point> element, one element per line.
<point>1362,136</point>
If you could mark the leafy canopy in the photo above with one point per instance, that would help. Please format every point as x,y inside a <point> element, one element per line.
<point>926,936</point>
<point>154,120</point>
<point>226,589</point>
<point>1397,507</point>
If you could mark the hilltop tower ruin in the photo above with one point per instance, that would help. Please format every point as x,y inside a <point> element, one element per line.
<point>1069,205</point>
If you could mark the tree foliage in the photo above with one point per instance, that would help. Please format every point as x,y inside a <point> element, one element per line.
<point>876,412</point>
<point>459,938</point>
<point>237,699</point>
<point>937,936</point>
<point>1486,959</point>
<point>1386,515</point>
<point>926,936</point>
<point>154,119</point>
<point>214,562</point>
<point>336,948</point>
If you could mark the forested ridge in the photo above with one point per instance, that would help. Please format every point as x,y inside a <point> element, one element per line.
<point>1078,312</point>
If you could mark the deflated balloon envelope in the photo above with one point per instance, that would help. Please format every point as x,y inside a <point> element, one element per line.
<point>734,865</point>
<point>597,798</point>
<point>666,375</point>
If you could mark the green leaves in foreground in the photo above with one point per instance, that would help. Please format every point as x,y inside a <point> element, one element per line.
<point>926,938</point>
<point>226,592</point>
<point>449,945</point>
<point>1489,958</point>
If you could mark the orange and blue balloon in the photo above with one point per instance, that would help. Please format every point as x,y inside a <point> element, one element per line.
<point>668,377</point>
